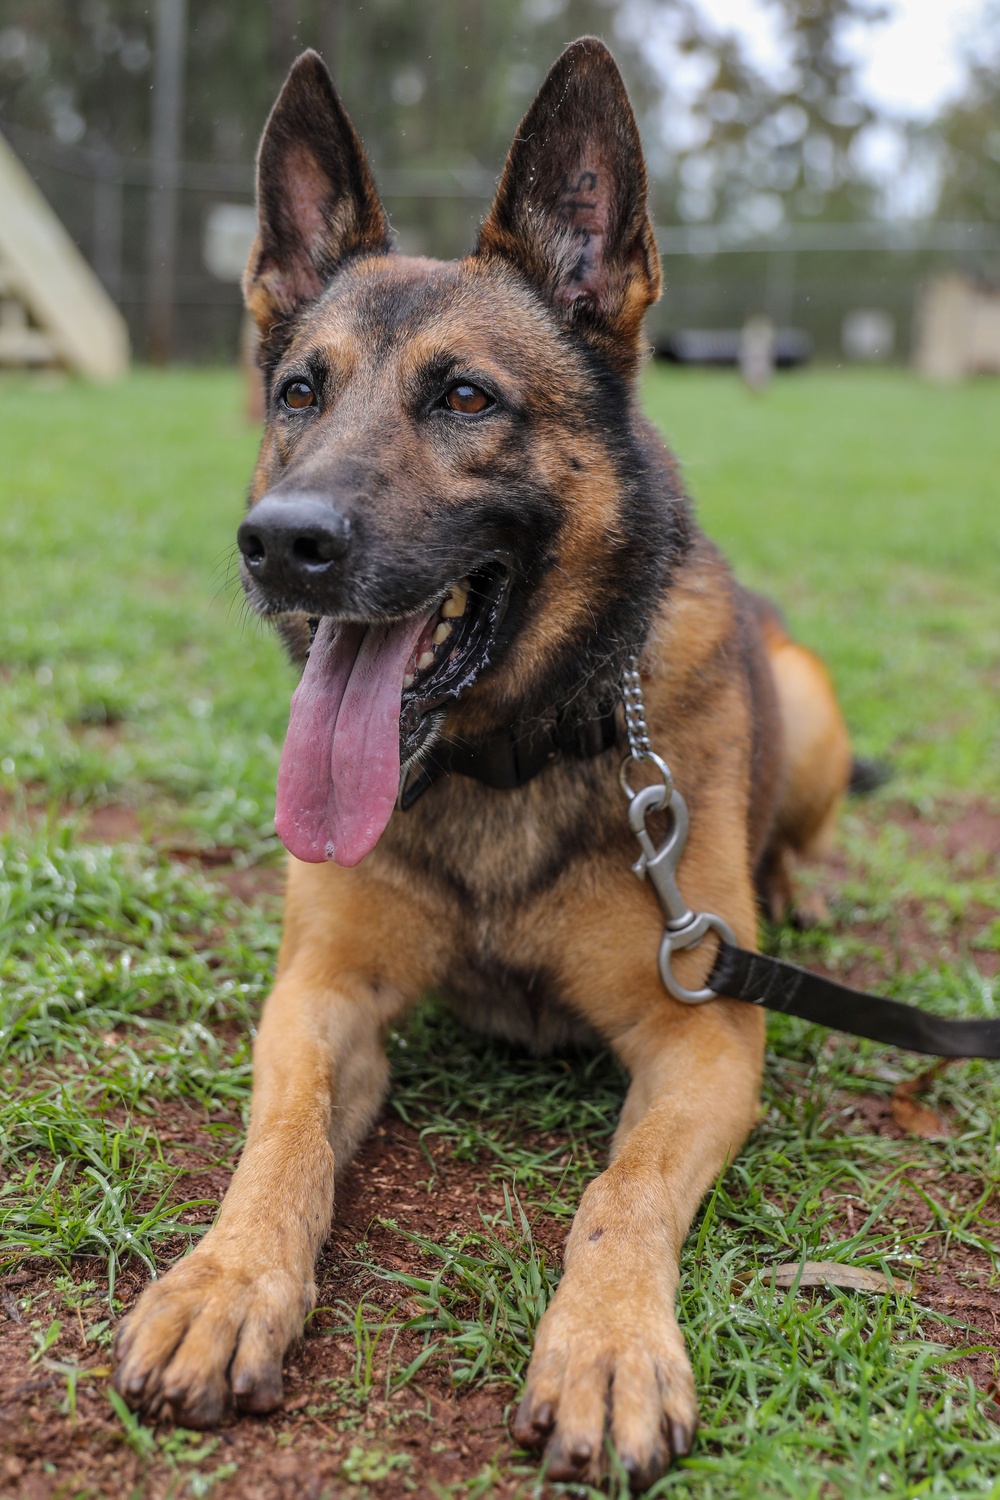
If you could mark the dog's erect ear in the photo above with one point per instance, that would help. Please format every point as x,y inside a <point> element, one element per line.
<point>316,200</point>
<point>570,211</point>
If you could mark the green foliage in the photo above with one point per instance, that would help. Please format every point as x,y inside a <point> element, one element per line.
<point>444,86</point>
<point>764,149</point>
<point>969,132</point>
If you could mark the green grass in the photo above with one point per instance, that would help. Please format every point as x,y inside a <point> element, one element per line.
<point>866,505</point>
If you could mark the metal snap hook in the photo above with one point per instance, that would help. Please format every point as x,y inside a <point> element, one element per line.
<point>684,928</point>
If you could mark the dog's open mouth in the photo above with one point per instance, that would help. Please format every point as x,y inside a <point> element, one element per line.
<point>364,692</point>
<point>454,645</point>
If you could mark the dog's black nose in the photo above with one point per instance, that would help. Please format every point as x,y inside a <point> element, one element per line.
<point>293,539</point>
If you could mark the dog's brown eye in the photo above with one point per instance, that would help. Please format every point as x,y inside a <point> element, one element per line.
<point>298,395</point>
<point>467,398</point>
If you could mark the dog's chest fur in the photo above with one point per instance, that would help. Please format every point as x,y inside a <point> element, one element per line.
<point>487,860</point>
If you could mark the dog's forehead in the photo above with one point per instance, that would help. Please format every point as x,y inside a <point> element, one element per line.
<point>392,307</point>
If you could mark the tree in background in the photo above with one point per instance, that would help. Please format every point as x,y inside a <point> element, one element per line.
<point>443,85</point>
<point>966,138</point>
<point>764,149</point>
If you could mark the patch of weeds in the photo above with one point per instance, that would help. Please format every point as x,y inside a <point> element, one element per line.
<point>43,1339</point>
<point>372,1464</point>
<point>479,1308</point>
<point>545,1122</point>
<point>179,1449</point>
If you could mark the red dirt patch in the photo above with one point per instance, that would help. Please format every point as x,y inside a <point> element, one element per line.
<point>432,1431</point>
<point>961,1289</point>
<point>109,823</point>
<point>253,885</point>
<point>964,836</point>
<point>120,823</point>
<point>113,824</point>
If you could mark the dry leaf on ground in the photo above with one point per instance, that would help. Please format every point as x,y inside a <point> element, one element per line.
<point>833,1273</point>
<point>907,1110</point>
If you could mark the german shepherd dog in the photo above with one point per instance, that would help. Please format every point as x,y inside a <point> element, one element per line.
<point>465,529</point>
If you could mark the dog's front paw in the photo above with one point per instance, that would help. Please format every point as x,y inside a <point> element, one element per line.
<point>609,1360</point>
<point>209,1339</point>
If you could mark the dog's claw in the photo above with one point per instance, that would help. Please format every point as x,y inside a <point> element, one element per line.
<point>640,1475</point>
<point>532,1424</point>
<point>563,1465</point>
<point>545,1416</point>
<point>681,1438</point>
<point>257,1395</point>
<point>205,1411</point>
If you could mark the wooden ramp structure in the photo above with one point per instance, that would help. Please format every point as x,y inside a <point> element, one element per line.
<point>959,329</point>
<point>53,309</point>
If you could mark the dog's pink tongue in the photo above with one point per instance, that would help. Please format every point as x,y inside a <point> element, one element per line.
<point>339,772</point>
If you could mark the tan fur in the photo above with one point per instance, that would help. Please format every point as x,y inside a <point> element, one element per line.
<point>816,770</point>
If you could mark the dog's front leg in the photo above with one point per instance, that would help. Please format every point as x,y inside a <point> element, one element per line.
<point>610,1356</point>
<point>210,1337</point>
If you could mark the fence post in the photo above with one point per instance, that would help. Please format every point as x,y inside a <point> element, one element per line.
<point>168,104</point>
<point>779,290</point>
<point>108,221</point>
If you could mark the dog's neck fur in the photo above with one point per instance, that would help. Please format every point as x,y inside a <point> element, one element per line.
<point>583,680</point>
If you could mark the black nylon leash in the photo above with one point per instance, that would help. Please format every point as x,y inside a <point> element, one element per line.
<point>739,974</point>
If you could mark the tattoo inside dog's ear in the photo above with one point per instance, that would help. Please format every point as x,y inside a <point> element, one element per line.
<point>570,211</point>
<point>316,199</point>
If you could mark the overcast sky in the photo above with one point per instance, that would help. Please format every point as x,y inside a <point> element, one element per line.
<point>910,63</point>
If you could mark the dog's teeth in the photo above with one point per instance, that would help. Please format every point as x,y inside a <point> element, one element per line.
<point>425,660</point>
<point>442,633</point>
<point>407,679</point>
<point>456,601</point>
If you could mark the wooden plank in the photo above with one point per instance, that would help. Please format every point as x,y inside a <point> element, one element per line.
<point>26,346</point>
<point>45,270</point>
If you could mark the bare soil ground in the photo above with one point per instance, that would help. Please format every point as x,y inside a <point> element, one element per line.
<point>428,1429</point>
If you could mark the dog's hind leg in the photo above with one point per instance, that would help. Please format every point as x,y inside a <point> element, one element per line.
<point>816,769</point>
<point>609,1353</point>
<point>210,1337</point>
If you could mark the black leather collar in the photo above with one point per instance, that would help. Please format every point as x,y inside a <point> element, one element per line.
<point>510,759</point>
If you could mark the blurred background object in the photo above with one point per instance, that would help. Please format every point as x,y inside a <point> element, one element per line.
<point>820,162</point>
<point>959,329</point>
<point>783,348</point>
<point>53,309</point>
<point>757,351</point>
<point>868,335</point>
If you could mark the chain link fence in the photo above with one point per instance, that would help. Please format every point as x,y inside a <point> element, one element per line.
<point>824,279</point>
